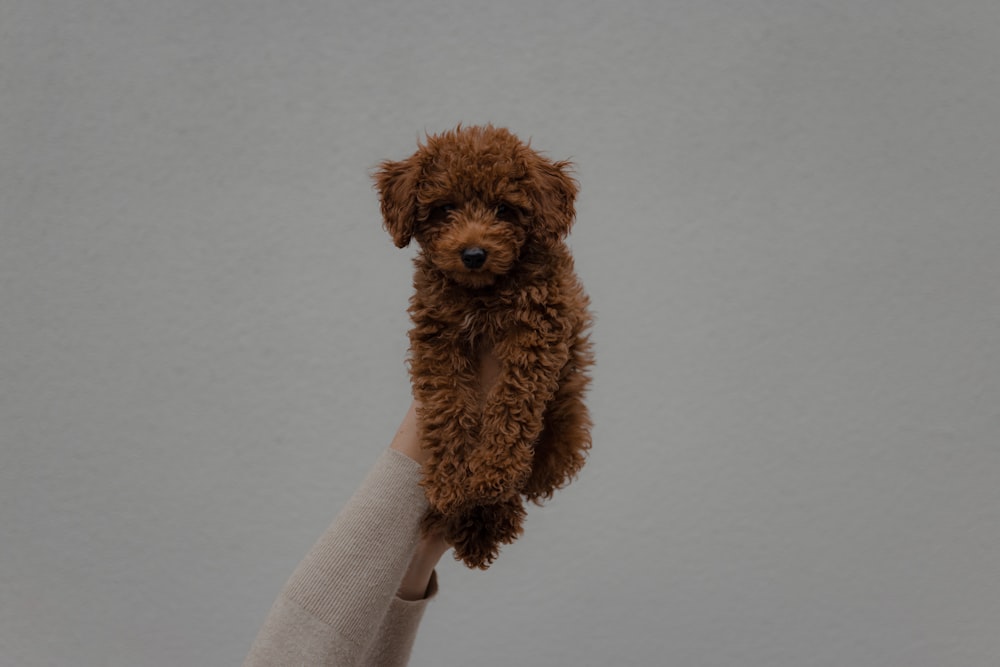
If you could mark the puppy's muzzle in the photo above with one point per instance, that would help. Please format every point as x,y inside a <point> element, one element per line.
<point>473,258</point>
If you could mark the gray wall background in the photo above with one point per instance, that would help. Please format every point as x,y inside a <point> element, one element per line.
<point>789,228</point>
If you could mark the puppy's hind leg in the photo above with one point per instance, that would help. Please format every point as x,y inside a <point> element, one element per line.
<point>565,439</point>
<point>477,532</point>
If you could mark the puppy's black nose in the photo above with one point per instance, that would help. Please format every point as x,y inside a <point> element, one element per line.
<point>473,258</point>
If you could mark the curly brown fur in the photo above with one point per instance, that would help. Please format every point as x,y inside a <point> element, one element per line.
<point>493,276</point>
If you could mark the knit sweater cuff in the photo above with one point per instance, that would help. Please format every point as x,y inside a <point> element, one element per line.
<point>394,641</point>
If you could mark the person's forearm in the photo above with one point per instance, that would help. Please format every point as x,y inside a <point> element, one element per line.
<point>336,600</point>
<point>357,597</point>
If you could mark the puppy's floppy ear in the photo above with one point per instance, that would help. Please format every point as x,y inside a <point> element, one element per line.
<point>396,183</point>
<point>554,193</point>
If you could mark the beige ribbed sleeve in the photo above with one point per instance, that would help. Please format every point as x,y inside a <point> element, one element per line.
<point>340,607</point>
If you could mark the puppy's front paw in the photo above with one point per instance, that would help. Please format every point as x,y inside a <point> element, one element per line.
<point>456,485</point>
<point>488,487</point>
<point>498,473</point>
<point>478,532</point>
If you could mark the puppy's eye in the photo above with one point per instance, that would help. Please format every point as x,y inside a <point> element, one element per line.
<point>504,211</point>
<point>442,210</point>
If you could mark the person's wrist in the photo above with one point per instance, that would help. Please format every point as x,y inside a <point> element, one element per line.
<point>425,558</point>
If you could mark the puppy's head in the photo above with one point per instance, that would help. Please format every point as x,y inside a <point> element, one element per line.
<point>474,198</point>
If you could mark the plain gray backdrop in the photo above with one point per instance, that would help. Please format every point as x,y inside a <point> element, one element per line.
<point>789,227</point>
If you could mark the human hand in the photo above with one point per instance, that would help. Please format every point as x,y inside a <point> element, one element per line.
<point>407,438</point>
<point>489,370</point>
<point>431,546</point>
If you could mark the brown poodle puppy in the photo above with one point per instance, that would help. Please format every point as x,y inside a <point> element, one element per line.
<point>494,285</point>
